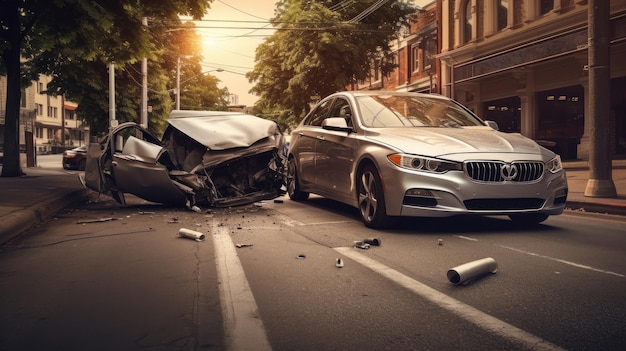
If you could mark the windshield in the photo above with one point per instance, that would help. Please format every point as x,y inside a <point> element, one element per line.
<point>390,111</point>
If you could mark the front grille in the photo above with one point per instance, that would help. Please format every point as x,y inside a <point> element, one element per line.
<point>503,204</point>
<point>495,171</point>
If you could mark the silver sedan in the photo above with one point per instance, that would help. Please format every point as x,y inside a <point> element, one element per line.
<point>407,154</point>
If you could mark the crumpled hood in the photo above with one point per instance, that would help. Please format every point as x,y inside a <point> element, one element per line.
<point>222,130</point>
<point>447,141</point>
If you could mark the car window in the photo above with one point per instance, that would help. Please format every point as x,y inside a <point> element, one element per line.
<point>383,111</point>
<point>320,113</point>
<point>341,108</point>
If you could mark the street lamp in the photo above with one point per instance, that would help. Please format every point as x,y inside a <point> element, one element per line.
<point>186,80</point>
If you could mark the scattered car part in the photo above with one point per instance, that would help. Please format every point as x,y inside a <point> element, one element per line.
<point>372,241</point>
<point>472,270</point>
<point>190,234</point>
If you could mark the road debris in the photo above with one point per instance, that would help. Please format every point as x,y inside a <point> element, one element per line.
<point>190,234</point>
<point>301,257</point>
<point>439,242</point>
<point>361,245</point>
<point>243,245</point>
<point>472,270</point>
<point>339,263</point>
<point>372,241</point>
<point>108,219</point>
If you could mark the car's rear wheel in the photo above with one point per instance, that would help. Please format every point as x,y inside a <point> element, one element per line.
<point>528,219</point>
<point>293,187</point>
<point>371,199</point>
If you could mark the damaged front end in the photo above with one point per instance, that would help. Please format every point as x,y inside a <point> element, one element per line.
<point>213,159</point>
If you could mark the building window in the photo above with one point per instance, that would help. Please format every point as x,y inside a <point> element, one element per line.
<point>39,133</point>
<point>430,52</point>
<point>39,109</point>
<point>52,111</point>
<point>503,14</point>
<point>415,58</point>
<point>545,6</point>
<point>467,22</point>
<point>23,98</point>
<point>39,87</point>
<point>50,133</point>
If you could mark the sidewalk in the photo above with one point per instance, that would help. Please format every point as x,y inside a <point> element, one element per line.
<point>28,200</point>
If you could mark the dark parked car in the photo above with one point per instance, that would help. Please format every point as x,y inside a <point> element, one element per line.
<point>205,158</point>
<point>406,154</point>
<point>75,158</point>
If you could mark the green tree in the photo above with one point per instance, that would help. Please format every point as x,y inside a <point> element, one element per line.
<point>80,37</point>
<point>320,47</point>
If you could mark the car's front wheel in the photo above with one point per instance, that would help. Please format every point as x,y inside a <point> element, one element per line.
<point>371,199</point>
<point>293,188</point>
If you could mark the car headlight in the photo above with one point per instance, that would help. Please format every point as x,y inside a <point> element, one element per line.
<point>554,165</point>
<point>421,163</point>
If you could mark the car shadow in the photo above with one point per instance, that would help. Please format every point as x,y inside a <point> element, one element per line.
<point>454,224</point>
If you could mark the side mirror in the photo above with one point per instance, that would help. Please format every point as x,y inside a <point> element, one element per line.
<point>336,123</point>
<point>493,124</point>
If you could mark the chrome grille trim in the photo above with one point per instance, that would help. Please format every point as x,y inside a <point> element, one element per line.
<point>491,171</point>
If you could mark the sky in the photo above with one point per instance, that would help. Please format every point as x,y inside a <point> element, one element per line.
<point>230,33</point>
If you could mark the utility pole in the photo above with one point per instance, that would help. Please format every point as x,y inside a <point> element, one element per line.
<point>600,183</point>
<point>144,86</point>
<point>112,120</point>
<point>178,84</point>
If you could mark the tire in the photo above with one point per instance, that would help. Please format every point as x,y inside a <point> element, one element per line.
<point>371,200</point>
<point>293,186</point>
<point>529,219</point>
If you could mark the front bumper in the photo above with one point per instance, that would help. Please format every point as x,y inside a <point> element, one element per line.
<point>412,193</point>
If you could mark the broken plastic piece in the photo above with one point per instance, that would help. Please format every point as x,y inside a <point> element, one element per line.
<point>439,242</point>
<point>243,245</point>
<point>361,245</point>
<point>301,256</point>
<point>339,263</point>
<point>372,241</point>
<point>190,234</point>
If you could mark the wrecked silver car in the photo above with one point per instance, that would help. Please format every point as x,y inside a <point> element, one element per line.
<point>205,158</point>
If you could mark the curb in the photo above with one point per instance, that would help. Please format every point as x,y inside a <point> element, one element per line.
<point>596,207</point>
<point>23,220</point>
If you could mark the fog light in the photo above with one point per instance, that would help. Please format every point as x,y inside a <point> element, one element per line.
<point>420,198</point>
<point>419,192</point>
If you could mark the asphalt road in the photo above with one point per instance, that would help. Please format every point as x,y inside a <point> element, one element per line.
<point>102,277</point>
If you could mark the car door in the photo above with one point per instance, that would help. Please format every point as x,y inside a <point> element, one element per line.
<point>335,152</point>
<point>305,145</point>
<point>135,168</point>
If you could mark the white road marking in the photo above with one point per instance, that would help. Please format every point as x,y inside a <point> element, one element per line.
<point>574,264</point>
<point>466,237</point>
<point>243,327</point>
<point>470,314</point>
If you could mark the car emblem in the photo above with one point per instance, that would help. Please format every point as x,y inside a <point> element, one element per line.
<point>508,171</point>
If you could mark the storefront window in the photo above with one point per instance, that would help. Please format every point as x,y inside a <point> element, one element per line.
<point>561,118</point>
<point>505,112</point>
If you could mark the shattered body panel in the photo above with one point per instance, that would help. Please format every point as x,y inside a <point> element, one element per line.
<point>205,158</point>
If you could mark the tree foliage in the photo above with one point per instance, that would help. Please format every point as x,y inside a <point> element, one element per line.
<point>74,41</point>
<point>320,47</point>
